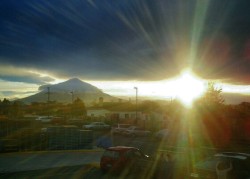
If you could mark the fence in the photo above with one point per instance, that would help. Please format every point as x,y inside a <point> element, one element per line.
<point>50,138</point>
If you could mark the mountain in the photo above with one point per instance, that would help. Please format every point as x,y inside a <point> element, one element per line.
<point>63,92</point>
<point>73,84</point>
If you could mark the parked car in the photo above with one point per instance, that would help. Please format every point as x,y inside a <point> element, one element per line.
<point>97,126</point>
<point>207,168</point>
<point>162,134</point>
<point>44,119</point>
<point>120,158</point>
<point>136,131</point>
<point>120,128</point>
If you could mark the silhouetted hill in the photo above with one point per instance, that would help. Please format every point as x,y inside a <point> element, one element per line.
<point>62,92</point>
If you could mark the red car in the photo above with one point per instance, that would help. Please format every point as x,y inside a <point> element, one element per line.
<point>121,157</point>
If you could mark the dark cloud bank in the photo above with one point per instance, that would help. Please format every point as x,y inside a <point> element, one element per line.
<point>128,40</point>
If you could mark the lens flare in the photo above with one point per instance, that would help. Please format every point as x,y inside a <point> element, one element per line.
<point>188,87</point>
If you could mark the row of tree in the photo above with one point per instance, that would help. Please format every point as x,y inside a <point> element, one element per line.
<point>209,114</point>
<point>211,103</point>
<point>17,110</point>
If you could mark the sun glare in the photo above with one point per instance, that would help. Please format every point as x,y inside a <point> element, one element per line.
<point>188,87</point>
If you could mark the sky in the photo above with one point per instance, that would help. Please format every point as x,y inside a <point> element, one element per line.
<point>117,45</point>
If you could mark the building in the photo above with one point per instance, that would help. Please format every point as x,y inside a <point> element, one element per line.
<point>98,113</point>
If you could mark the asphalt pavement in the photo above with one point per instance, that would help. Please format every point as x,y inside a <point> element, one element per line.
<point>34,161</point>
<point>28,161</point>
<point>64,164</point>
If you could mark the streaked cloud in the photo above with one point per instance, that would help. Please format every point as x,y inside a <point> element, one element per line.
<point>26,75</point>
<point>45,42</point>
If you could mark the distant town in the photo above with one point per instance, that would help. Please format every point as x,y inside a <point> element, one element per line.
<point>25,125</point>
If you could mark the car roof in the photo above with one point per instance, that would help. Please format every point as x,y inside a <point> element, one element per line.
<point>236,155</point>
<point>121,148</point>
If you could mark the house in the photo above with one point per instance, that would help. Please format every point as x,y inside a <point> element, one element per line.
<point>129,116</point>
<point>125,114</point>
<point>98,113</point>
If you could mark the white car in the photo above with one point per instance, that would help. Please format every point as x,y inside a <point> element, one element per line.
<point>97,126</point>
<point>44,118</point>
<point>162,134</point>
<point>136,131</point>
<point>120,129</point>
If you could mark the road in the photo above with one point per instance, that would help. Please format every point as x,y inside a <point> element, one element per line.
<point>74,164</point>
<point>27,161</point>
<point>75,172</point>
<point>78,171</point>
<point>62,164</point>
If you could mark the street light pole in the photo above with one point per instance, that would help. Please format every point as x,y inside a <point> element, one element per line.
<point>72,93</point>
<point>48,94</point>
<point>48,88</point>
<point>136,100</point>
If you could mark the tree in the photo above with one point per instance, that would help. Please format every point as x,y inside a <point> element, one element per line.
<point>211,116</point>
<point>78,108</point>
<point>149,106</point>
<point>212,96</point>
<point>16,110</point>
<point>5,107</point>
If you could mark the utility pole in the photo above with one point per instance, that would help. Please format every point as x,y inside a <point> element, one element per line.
<point>136,99</point>
<point>48,92</point>
<point>72,93</point>
<point>72,99</point>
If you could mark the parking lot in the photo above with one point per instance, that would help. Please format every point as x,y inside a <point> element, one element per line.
<point>80,164</point>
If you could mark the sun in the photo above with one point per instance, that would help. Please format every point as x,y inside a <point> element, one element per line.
<point>188,87</point>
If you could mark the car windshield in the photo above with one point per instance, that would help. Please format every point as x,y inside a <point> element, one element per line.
<point>133,154</point>
<point>111,154</point>
<point>209,164</point>
<point>160,76</point>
